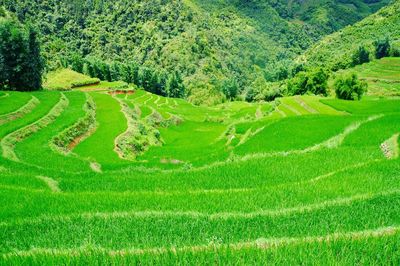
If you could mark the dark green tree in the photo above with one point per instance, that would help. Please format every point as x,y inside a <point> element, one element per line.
<point>21,64</point>
<point>382,48</point>
<point>361,56</point>
<point>230,88</point>
<point>314,81</point>
<point>175,87</point>
<point>349,87</point>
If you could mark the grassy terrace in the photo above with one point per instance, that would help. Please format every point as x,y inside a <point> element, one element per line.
<point>238,183</point>
<point>382,76</point>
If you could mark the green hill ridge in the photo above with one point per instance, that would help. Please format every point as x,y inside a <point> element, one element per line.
<point>211,44</point>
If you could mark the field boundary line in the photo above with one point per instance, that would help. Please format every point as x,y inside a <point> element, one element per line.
<point>337,140</point>
<point>292,109</point>
<point>340,201</point>
<point>134,100</point>
<point>50,182</point>
<point>259,244</point>
<point>69,138</point>
<point>127,134</point>
<point>158,98</point>
<point>331,143</point>
<point>227,190</point>
<point>149,99</point>
<point>5,95</point>
<point>305,106</point>
<point>22,111</point>
<point>12,187</point>
<point>280,112</point>
<point>344,169</point>
<point>8,142</point>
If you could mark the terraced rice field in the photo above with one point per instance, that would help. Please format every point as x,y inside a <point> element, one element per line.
<point>382,76</point>
<point>89,177</point>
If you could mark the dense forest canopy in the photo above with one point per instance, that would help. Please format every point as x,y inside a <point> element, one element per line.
<point>336,50</point>
<point>21,64</point>
<point>216,49</point>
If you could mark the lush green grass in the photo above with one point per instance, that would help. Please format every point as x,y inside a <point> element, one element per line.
<point>36,149</point>
<point>65,79</point>
<point>103,85</point>
<point>13,102</point>
<point>382,76</point>
<point>111,123</point>
<point>236,183</point>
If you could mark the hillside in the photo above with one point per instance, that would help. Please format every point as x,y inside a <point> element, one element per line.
<point>335,51</point>
<point>382,76</point>
<point>214,45</point>
<point>199,132</point>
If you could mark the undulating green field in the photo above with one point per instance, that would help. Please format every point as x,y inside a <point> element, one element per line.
<point>104,178</point>
<point>382,76</point>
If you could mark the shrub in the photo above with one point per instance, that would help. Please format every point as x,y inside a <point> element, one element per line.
<point>270,92</point>
<point>395,50</point>
<point>361,56</point>
<point>314,81</point>
<point>349,87</point>
<point>92,81</point>
<point>229,88</point>
<point>382,48</point>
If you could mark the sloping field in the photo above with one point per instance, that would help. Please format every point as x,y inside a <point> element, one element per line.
<point>382,76</point>
<point>144,179</point>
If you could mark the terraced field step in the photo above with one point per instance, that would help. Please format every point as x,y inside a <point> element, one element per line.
<point>27,108</point>
<point>302,209</point>
<point>302,105</point>
<point>8,142</point>
<point>70,137</point>
<point>260,244</point>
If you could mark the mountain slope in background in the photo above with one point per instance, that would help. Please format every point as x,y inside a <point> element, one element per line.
<point>335,51</point>
<point>209,43</point>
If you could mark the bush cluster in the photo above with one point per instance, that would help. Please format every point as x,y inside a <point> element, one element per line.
<point>314,81</point>
<point>349,87</point>
<point>158,82</point>
<point>21,64</point>
<point>92,81</point>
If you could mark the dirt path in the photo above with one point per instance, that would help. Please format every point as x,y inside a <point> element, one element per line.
<point>390,147</point>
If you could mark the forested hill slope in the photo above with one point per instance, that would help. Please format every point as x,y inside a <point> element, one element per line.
<point>336,50</point>
<point>215,46</point>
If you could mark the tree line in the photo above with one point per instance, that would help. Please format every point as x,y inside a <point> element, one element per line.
<point>21,64</point>
<point>152,80</point>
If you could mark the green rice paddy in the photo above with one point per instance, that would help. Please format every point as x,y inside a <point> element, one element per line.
<point>382,76</point>
<point>306,180</point>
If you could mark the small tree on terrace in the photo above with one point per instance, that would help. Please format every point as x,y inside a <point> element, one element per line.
<point>361,56</point>
<point>349,87</point>
<point>313,81</point>
<point>382,48</point>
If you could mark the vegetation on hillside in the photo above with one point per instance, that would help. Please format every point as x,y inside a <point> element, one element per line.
<point>349,87</point>
<point>373,34</point>
<point>382,76</point>
<point>201,46</point>
<point>21,64</point>
<point>108,165</point>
